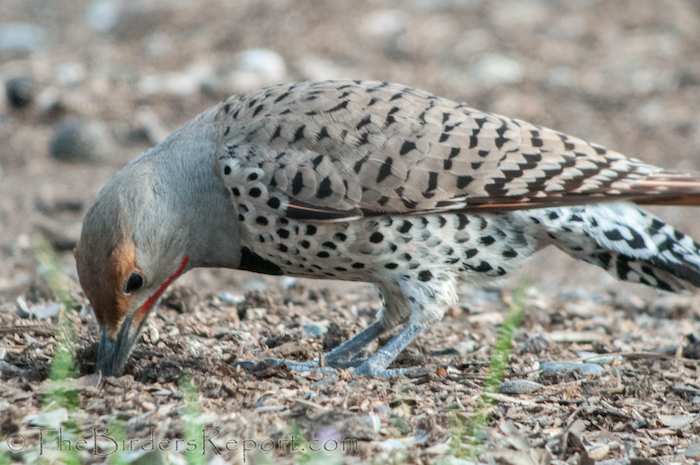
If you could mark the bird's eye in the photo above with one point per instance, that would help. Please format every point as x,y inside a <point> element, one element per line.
<point>133,283</point>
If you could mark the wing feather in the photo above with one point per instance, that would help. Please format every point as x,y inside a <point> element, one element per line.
<point>337,150</point>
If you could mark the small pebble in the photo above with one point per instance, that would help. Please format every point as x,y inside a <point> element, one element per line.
<point>518,386</point>
<point>383,410</point>
<point>314,331</point>
<point>20,37</point>
<point>256,68</point>
<point>599,452</point>
<point>535,344</point>
<point>586,368</point>
<point>102,15</point>
<point>328,380</point>
<point>44,312</point>
<point>19,91</point>
<point>231,298</point>
<point>287,281</point>
<point>494,69</point>
<point>71,73</point>
<point>693,450</point>
<point>76,140</point>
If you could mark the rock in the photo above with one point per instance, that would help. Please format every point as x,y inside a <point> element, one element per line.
<point>384,23</point>
<point>374,421</point>
<point>102,15</point>
<point>466,347</point>
<point>19,91</point>
<point>313,329</point>
<point>677,421</point>
<point>19,37</point>
<point>494,69</point>
<point>586,368</point>
<point>560,77</point>
<point>391,445</point>
<point>519,386</point>
<point>158,44</point>
<point>257,67</point>
<point>328,380</point>
<point>71,73</point>
<point>287,282</point>
<point>43,312</point>
<point>693,450</point>
<point>229,298</point>
<point>599,452</point>
<point>185,82</point>
<point>76,140</point>
<point>49,103</point>
<point>383,410</point>
<point>52,419</point>
<point>535,344</point>
<point>314,68</point>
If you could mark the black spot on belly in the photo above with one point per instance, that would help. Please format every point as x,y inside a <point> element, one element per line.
<point>510,253</point>
<point>376,238</point>
<point>483,267</point>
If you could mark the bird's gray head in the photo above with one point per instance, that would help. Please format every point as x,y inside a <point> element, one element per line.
<point>163,214</point>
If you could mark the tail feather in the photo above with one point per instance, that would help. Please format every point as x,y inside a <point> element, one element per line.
<point>628,242</point>
<point>668,188</point>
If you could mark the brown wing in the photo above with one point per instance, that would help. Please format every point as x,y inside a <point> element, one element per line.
<point>337,148</point>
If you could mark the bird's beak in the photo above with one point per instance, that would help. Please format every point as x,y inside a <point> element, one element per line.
<point>113,353</point>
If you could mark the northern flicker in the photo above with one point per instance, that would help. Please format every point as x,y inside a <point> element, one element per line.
<point>375,182</point>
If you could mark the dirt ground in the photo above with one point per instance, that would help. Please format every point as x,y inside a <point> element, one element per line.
<point>622,73</point>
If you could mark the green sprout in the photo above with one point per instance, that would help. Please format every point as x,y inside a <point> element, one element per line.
<point>468,433</point>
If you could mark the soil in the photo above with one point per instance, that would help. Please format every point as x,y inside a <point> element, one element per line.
<point>621,73</point>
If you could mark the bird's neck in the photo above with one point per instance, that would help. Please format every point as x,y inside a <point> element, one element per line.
<point>185,171</point>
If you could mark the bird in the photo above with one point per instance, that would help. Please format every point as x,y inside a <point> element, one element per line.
<point>374,182</point>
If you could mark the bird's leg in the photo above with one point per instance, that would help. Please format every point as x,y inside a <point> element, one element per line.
<point>346,352</point>
<point>340,357</point>
<point>378,363</point>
